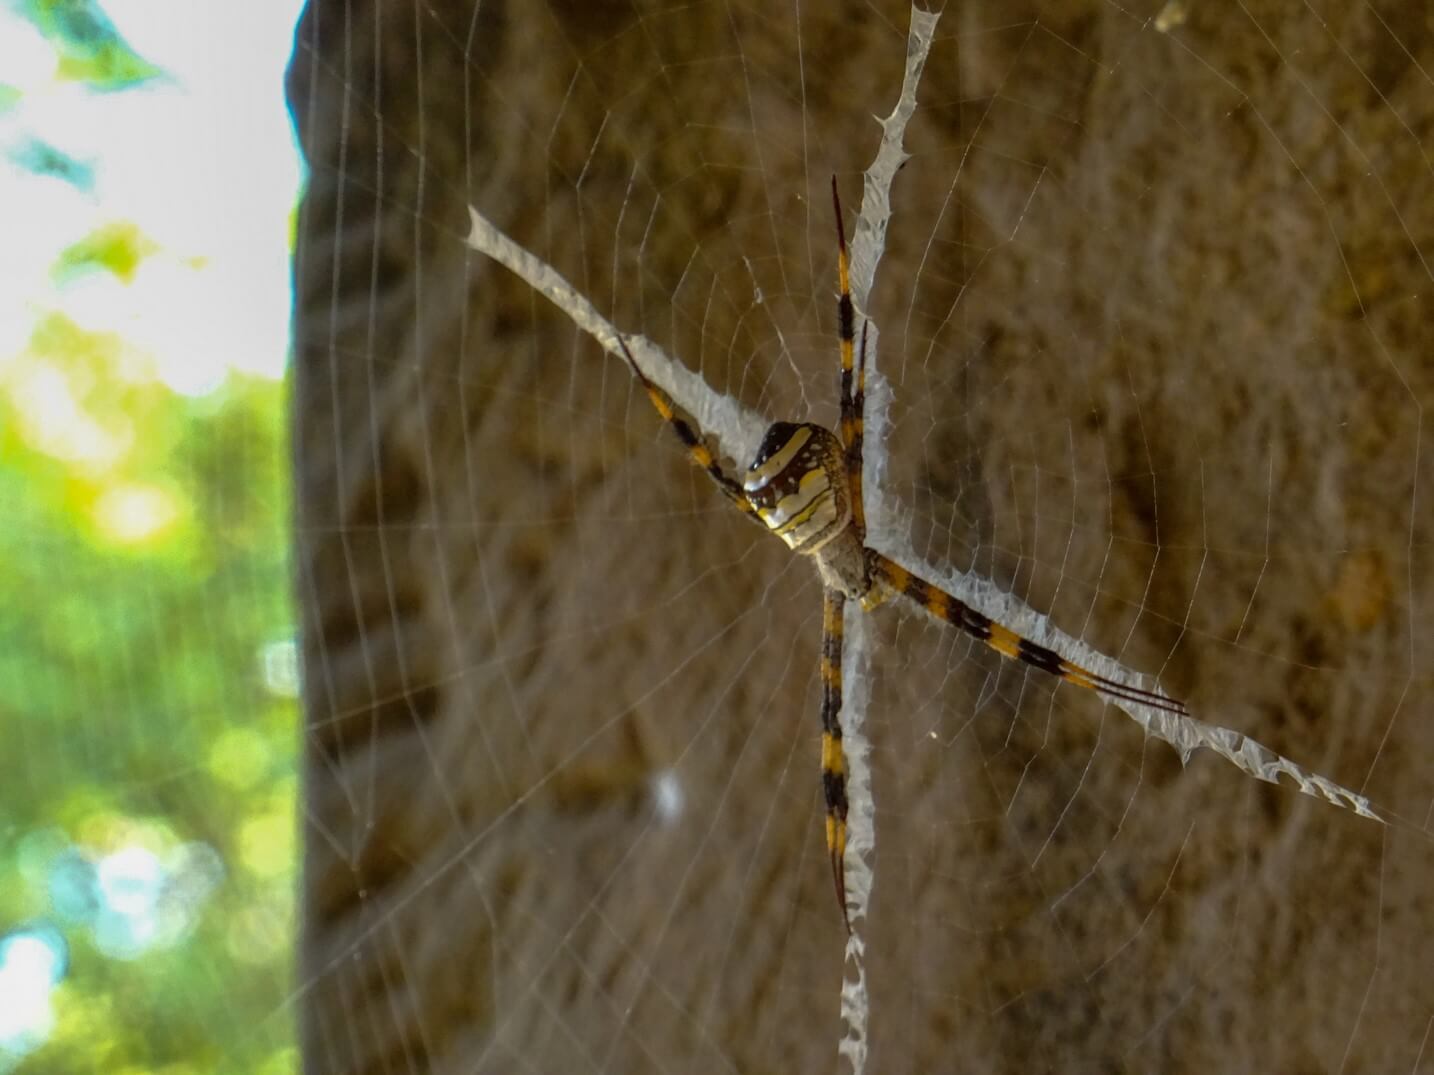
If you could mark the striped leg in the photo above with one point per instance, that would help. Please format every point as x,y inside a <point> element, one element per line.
<point>1006,642</point>
<point>853,383</point>
<point>689,438</point>
<point>833,760</point>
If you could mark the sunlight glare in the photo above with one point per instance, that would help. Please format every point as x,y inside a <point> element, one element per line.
<point>52,420</point>
<point>134,513</point>
<point>31,963</point>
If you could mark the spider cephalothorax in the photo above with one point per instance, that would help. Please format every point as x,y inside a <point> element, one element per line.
<point>805,486</point>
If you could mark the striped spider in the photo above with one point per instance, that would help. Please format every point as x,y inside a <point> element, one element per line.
<point>805,487</point>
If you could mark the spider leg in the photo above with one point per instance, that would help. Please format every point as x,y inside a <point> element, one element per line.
<point>696,450</point>
<point>1006,642</point>
<point>833,759</point>
<point>853,382</point>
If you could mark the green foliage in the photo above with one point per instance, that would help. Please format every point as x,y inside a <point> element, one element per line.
<point>144,579</point>
<point>145,620</point>
<point>40,157</point>
<point>91,49</point>
<point>116,248</point>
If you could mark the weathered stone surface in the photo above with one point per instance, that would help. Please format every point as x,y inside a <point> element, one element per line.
<point>1155,313</point>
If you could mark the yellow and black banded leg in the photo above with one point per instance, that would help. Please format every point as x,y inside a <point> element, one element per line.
<point>833,758</point>
<point>698,451</point>
<point>853,381</point>
<point>1006,642</point>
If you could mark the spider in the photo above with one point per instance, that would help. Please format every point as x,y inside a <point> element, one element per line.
<point>805,487</point>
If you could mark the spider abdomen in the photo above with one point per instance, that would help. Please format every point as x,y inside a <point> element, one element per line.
<point>798,485</point>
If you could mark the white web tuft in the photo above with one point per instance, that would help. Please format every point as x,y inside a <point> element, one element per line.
<point>868,245</point>
<point>1185,734</point>
<point>737,429</point>
<point>861,818</point>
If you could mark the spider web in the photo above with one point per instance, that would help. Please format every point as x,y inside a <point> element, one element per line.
<point>1149,371</point>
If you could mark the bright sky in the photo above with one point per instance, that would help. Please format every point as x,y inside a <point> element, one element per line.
<point>203,162</point>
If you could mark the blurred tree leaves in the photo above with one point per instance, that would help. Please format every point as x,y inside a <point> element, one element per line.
<point>116,248</point>
<point>135,689</point>
<point>91,49</point>
<point>40,157</point>
<point>144,608</point>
